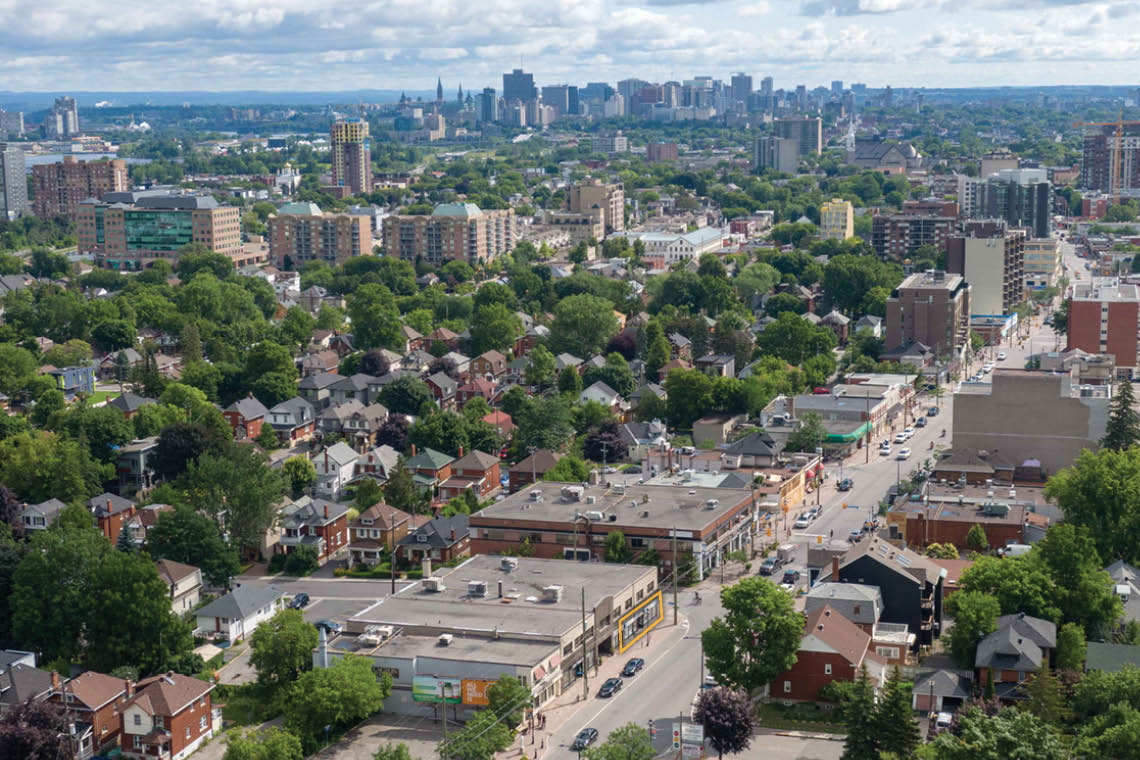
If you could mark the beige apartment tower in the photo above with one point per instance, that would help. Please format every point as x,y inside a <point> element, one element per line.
<point>460,231</point>
<point>837,220</point>
<point>351,156</point>
<point>932,308</point>
<point>610,198</point>
<point>301,232</point>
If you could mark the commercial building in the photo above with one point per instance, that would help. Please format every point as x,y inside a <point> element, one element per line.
<point>448,636</point>
<point>990,257</point>
<point>655,152</point>
<point>301,232</point>
<point>130,231</point>
<point>1099,169</point>
<point>351,156</point>
<point>997,160</point>
<point>11,123</point>
<point>63,119</point>
<point>1041,262</point>
<point>921,523</point>
<point>610,144</point>
<point>518,85</point>
<point>13,183</point>
<point>663,249</point>
<point>61,187</point>
<point>488,106</point>
<point>806,132</point>
<point>1020,197</point>
<point>778,153</point>
<point>931,308</point>
<point>1021,415</point>
<point>836,220</point>
<point>594,194</point>
<point>1104,318</point>
<point>898,236</point>
<point>460,231</point>
<point>740,87</point>
<point>567,521</point>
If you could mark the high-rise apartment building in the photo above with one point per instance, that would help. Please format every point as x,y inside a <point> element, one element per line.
<point>1042,262</point>
<point>61,187</point>
<point>63,119</point>
<point>836,220</point>
<point>837,87</point>
<point>610,144</point>
<point>1104,318</point>
<point>453,231</point>
<point>766,85</point>
<point>518,85</point>
<point>991,258</point>
<point>11,123</point>
<point>806,132</point>
<point>801,96</point>
<point>661,152</point>
<point>130,231</point>
<point>351,156</point>
<point>593,193</point>
<point>557,96</point>
<point>1019,197</point>
<point>301,232</point>
<point>932,308</point>
<point>779,153</point>
<point>740,87</point>
<point>488,106</point>
<point>13,183</point>
<point>897,236</point>
<point>1098,158</point>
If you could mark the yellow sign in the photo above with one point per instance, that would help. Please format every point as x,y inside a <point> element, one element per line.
<point>475,692</point>
<point>639,621</point>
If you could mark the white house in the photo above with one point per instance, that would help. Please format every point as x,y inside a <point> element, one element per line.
<point>184,582</point>
<point>335,468</point>
<point>40,516</point>
<point>663,249</point>
<point>604,395</point>
<point>235,615</point>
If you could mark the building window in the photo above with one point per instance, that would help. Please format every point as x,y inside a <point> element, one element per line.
<point>202,723</point>
<point>787,687</point>
<point>138,719</point>
<point>827,669</point>
<point>188,732</point>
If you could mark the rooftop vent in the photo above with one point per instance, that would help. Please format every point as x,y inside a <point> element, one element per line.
<point>445,639</point>
<point>536,495</point>
<point>477,588</point>
<point>552,593</point>
<point>434,584</point>
<point>508,564</point>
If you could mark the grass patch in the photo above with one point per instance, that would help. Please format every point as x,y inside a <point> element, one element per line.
<point>98,397</point>
<point>381,571</point>
<point>801,716</point>
<point>248,704</point>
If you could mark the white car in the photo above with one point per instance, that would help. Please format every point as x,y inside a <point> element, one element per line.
<point>988,367</point>
<point>904,453</point>
<point>802,523</point>
<point>885,449</point>
<point>791,589</point>
<point>909,432</point>
<point>900,437</point>
<point>1001,356</point>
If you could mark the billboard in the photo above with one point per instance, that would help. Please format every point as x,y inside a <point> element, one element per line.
<point>637,622</point>
<point>475,692</point>
<point>432,689</point>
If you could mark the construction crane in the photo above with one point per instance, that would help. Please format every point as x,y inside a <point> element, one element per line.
<point>1116,181</point>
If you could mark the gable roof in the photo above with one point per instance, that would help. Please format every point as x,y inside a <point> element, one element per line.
<point>1043,633</point>
<point>93,690</point>
<point>429,459</point>
<point>50,509</point>
<point>444,382</point>
<point>297,408</point>
<point>242,602</point>
<point>340,453</point>
<point>756,444</point>
<point>538,462</point>
<point>130,402</point>
<point>21,682</point>
<point>1111,657</point>
<point>492,356</point>
<point>945,683</point>
<point>357,382</point>
<point>837,632</point>
<point>249,408</point>
<point>599,387</point>
<point>385,516</point>
<point>306,511</point>
<point>438,531</point>
<point>169,693</point>
<point>1006,649</point>
<point>319,381</point>
<point>172,572</point>
<point>106,504</point>
<point>476,460</point>
<point>905,563</point>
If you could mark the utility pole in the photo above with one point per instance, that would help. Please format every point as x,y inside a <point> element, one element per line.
<point>585,672</point>
<point>674,576</point>
<point>391,554</point>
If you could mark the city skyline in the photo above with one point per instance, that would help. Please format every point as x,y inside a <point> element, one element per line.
<point>395,44</point>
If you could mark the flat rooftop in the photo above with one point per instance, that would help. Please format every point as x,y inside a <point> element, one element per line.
<point>931,281</point>
<point>462,648</point>
<point>965,512</point>
<point>1105,289</point>
<point>684,506</point>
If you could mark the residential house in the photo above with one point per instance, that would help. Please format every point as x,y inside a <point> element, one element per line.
<point>246,416</point>
<point>1110,658</point>
<point>412,338</point>
<point>1019,647</point>
<point>839,324</point>
<point>606,396</point>
<point>352,388</point>
<point>95,700</point>
<point>184,582</point>
<point>440,540</point>
<point>331,421</point>
<point>169,367</point>
<point>870,323</point>
<point>376,463</point>
<point>429,467</point>
<point>502,422</point>
<point>1126,583</point>
<point>753,450</point>
<point>477,387</point>
<point>293,421</point>
<point>717,365</point>
<point>40,516</point>
<point>134,465</point>
<point>477,471</point>
<point>129,403</point>
<point>444,336</point>
<point>461,362</point>
<point>336,467</point>
<point>318,523</point>
<point>234,616</point>
<point>715,428</point>
<point>531,469</point>
<point>342,345</point>
<point>416,361</point>
<point>832,649</point>
<point>941,691</point>
<point>111,513</point>
<point>567,361</point>
<point>111,366</point>
<point>490,365</point>
<point>361,427</point>
<point>534,335</point>
<point>73,380</point>
<point>169,717</point>
<point>375,531</point>
<point>144,518</point>
<point>862,605</point>
<point>680,347</point>
<point>443,388</point>
<point>654,389</point>
<point>21,681</point>
<point>639,436</point>
<point>316,388</point>
<point>316,362</point>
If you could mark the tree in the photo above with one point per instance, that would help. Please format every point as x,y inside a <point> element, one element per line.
<point>976,538</point>
<point>1045,696</point>
<point>1085,592</point>
<point>569,381</point>
<point>303,560</point>
<point>394,432</point>
<point>582,324</point>
<point>1009,734</point>
<point>1099,492</point>
<point>125,543</point>
<point>1123,428</point>
<point>1113,734</point>
<point>616,548</point>
<point>859,717</point>
<point>281,648</point>
<point>241,484</point>
<point>480,739</point>
<point>393,752</point>
<point>630,742</point>
<point>114,335</point>
<point>726,716</point>
<point>375,318</point>
<point>1071,647</point>
<point>605,444</point>
<point>274,387</point>
<point>794,339</point>
<point>540,370</point>
<point>689,397</point>
<point>268,744</point>
<point>757,637</point>
<point>494,326</point>
<point>181,444</point>
<point>301,474</point>
<point>34,730</point>
<point>1019,584</point>
<point>568,469</point>
<point>809,435</point>
<point>187,536</point>
<point>975,615</point>
<point>373,363</point>
<point>401,491</point>
<point>17,366</point>
<point>298,326</point>
<point>368,492</point>
<point>896,729</point>
<point>338,696</point>
<point>406,395</point>
<point>38,466</point>
<point>508,699</point>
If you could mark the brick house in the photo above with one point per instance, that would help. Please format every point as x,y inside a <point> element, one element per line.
<point>429,467</point>
<point>129,403</point>
<point>478,471</point>
<point>320,524</point>
<point>502,422</point>
<point>442,335</point>
<point>1019,647</point>
<point>377,528</point>
<point>96,700</point>
<point>443,388</point>
<point>246,416</point>
<point>440,540</point>
<point>169,717</point>
<point>532,337</point>
<point>477,387</point>
<point>111,513</point>
<point>184,582</point>
<point>314,362</point>
<point>832,649</point>
<point>531,469</point>
<point>293,421</point>
<point>489,365</point>
<point>376,463</point>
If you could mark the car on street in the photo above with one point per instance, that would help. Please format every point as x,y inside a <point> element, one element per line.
<point>331,627</point>
<point>770,565</point>
<point>802,522</point>
<point>609,470</point>
<point>632,667</point>
<point>789,588</point>
<point>920,422</point>
<point>988,367</point>
<point>846,484</point>
<point>585,738</point>
<point>821,391</point>
<point>633,470</point>
<point>900,437</point>
<point>1001,356</point>
<point>904,453</point>
<point>610,687</point>
<point>855,536</point>
<point>791,575</point>
<point>885,449</point>
<point>299,601</point>
<point>932,411</point>
<point>908,432</point>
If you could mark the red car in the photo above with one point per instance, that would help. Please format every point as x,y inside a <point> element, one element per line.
<point>820,391</point>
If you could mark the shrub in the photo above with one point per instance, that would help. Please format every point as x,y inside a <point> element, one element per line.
<point>302,561</point>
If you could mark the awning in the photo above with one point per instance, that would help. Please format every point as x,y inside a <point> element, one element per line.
<point>851,436</point>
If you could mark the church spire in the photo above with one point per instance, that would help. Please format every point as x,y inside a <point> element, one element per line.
<point>459,97</point>
<point>439,90</point>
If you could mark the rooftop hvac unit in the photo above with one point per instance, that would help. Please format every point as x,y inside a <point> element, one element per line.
<point>712,503</point>
<point>595,515</point>
<point>434,584</point>
<point>686,475</point>
<point>645,513</point>
<point>552,593</point>
<point>613,518</point>
<point>573,493</point>
<point>508,564</point>
<point>536,495</point>
<point>477,588</point>
<point>591,499</point>
<point>445,639</point>
<point>619,489</point>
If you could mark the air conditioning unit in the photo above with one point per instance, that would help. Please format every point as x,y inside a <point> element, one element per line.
<point>619,489</point>
<point>591,499</point>
<point>573,493</point>
<point>445,639</point>
<point>536,495</point>
<point>434,584</point>
<point>477,588</point>
<point>552,593</point>
<point>508,564</point>
<point>712,503</point>
<point>595,515</point>
<point>645,513</point>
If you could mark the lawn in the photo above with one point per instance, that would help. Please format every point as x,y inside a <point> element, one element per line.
<point>799,717</point>
<point>98,397</point>
<point>247,705</point>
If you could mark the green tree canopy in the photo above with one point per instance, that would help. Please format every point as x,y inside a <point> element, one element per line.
<point>338,696</point>
<point>281,648</point>
<point>187,536</point>
<point>757,637</point>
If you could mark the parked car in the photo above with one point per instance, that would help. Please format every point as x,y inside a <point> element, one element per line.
<point>791,575</point>
<point>1001,356</point>
<point>610,687</point>
<point>920,422</point>
<point>789,588</point>
<point>846,484</point>
<point>770,565</point>
<point>803,522</point>
<point>585,738</point>
<point>855,536</point>
<point>904,453</point>
<point>900,437</point>
<point>332,628</point>
<point>633,666</point>
<point>908,432</point>
<point>820,391</point>
<point>885,449</point>
<point>932,411</point>
<point>299,601</point>
<point>633,470</point>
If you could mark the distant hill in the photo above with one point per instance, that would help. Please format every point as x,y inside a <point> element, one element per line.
<point>32,101</point>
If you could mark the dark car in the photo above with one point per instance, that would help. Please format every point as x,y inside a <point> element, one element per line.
<point>331,627</point>
<point>633,470</point>
<point>791,576</point>
<point>920,422</point>
<point>855,536</point>
<point>633,666</point>
<point>932,411</point>
<point>584,739</point>
<point>846,484</point>
<point>299,601</point>
<point>769,565</point>
<point>610,687</point>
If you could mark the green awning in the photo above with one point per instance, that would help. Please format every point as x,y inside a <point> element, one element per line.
<point>854,435</point>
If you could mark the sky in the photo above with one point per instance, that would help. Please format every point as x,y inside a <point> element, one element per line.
<point>124,45</point>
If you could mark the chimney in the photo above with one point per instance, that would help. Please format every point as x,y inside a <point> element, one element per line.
<point>500,589</point>
<point>413,449</point>
<point>130,687</point>
<point>453,534</point>
<point>326,461</point>
<point>326,511</point>
<point>460,453</point>
<point>835,569</point>
<point>55,674</point>
<point>426,565</point>
<point>323,647</point>
<point>108,505</point>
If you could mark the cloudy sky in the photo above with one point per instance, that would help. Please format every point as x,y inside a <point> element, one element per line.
<point>394,44</point>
